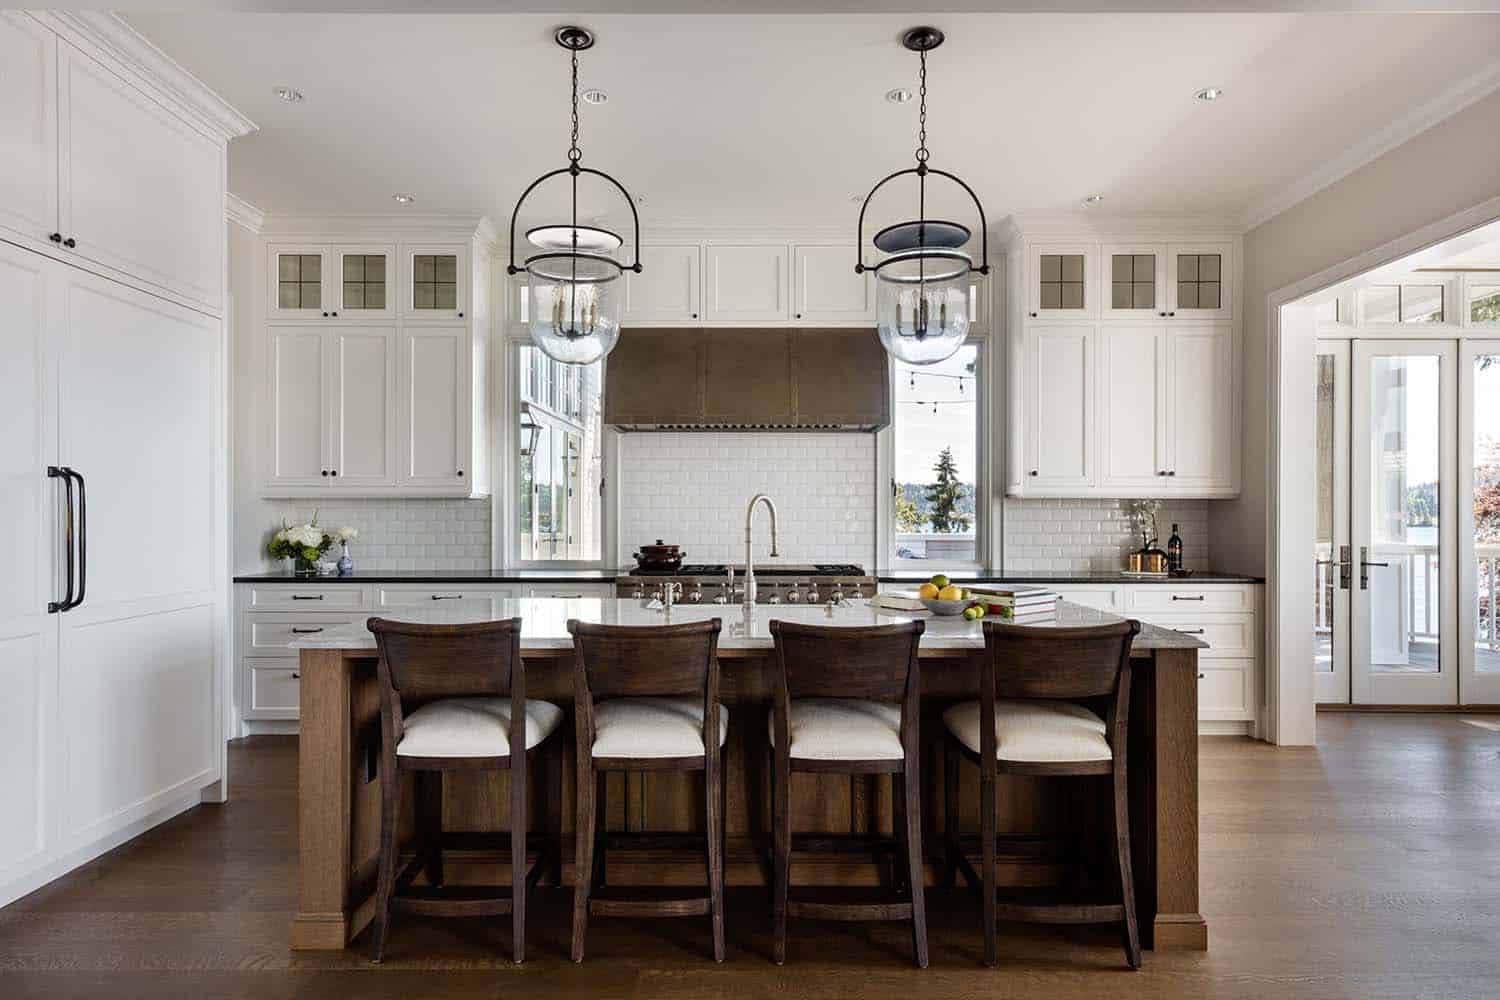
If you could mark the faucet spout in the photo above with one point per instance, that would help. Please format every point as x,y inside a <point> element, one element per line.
<point>749,542</point>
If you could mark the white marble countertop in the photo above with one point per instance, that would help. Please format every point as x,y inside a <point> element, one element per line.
<point>545,622</point>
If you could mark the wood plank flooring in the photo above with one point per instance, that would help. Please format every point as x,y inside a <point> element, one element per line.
<point>1368,867</point>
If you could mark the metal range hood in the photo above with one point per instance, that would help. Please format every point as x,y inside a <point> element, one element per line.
<point>747,379</point>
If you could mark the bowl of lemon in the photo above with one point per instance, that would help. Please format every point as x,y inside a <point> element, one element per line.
<point>942,597</point>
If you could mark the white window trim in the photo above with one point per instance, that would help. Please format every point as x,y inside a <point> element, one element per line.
<point>985,521</point>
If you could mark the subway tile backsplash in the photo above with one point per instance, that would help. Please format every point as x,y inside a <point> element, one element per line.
<point>691,489</point>
<point>399,534</point>
<point>1084,535</point>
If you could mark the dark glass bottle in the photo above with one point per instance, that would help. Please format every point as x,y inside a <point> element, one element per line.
<point>1174,552</point>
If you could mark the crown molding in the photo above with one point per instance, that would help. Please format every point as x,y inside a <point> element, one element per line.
<point>109,38</point>
<point>242,213</point>
<point>1145,226</point>
<point>422,226</point>
<point>1409,126</point>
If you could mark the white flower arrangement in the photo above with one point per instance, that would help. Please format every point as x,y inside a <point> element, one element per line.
<point>306,542</point>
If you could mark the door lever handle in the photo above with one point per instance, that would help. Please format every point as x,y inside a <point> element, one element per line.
<point>1364,567</point>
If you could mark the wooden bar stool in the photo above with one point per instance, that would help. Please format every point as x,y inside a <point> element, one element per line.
<point>1041,694</point>
<point>845,701</point>
<point>658,696</point>
<point>444,707</point>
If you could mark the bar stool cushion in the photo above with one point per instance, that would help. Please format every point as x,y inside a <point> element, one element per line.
<point>842,729</point>
<point>652,727</point>
<point>472,727</point>
<point>1034,731</point>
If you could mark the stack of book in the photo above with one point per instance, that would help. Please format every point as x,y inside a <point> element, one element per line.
<point>1020,605</point>
<point>899,600</point>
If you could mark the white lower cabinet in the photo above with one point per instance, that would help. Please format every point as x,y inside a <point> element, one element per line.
<point>569,590</point>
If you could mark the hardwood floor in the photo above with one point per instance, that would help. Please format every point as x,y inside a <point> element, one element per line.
<point>1364,868</point>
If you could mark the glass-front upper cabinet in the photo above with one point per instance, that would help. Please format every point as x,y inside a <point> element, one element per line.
<point>1061,281</point>
<point>365,289</point>
<point>299,287</point>
<point>436,284</point>
<point>1200,281</point>
<point>1135,277</point>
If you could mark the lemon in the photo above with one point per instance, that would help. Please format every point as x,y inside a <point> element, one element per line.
<point>973,614</point>
<point>950,593</point>
<point>940,581</point>
<point>927,591</point>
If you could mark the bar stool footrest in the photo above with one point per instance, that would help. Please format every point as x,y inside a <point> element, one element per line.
<point>852,903</point>
<point>455,901</point>
<point>1047,907</point>
<point>642,901</point>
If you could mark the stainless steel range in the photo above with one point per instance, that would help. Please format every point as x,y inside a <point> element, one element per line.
<point>709,583</point>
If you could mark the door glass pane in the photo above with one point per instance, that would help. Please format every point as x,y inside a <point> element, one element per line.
<point>1326,565</point>
<point>1485,518</point>
<point>1405,431</point>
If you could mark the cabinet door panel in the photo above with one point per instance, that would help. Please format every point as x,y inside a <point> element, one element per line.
<point>747,284</point>
<point>434,407</point>
<point>140,191</point>
<point>299,282</point>
<point>668,288</point>
<point>1060,406</point>
<point>1131,419</point>
<point>1200,280</point>
<point>298,403</point>
<point>826,289</point>
<point>1061,281</point>
<point>435,282</point>
<point>28,126</point>
<point>363,367</point>
<point>1201,402</point>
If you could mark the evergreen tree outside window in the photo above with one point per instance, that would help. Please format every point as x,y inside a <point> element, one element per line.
<point>935,455</point>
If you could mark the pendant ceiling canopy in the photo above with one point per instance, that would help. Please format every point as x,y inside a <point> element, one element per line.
<point>922,284</point>
<point>574,284</point>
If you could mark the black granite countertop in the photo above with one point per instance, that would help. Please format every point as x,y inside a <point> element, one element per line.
<point>445,576</point>
<point>1095,576</point>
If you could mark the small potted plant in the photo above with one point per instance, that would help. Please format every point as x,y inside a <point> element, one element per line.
<point>301,543</point>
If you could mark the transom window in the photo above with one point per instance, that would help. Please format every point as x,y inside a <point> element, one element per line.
<point>1403,304</point>
<point>1484,303</point>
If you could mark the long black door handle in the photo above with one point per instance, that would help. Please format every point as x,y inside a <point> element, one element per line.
<point>83,539</point>
<point>56,472</point>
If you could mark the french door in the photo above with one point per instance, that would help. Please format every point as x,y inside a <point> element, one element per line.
<point>1408,522</point>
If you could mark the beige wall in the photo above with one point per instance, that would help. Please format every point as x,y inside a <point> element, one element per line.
<point>1450,167</point>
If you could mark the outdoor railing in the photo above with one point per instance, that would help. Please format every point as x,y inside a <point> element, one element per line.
<point>1423,587</point>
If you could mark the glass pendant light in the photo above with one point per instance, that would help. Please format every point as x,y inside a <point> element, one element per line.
<point>574,283</point>
<point>922,285</point>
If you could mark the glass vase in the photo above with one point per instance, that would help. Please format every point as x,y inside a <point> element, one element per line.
<point>304,567</point>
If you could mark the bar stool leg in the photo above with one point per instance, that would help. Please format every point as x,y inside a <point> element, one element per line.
<point>1130,931</point>
<point>910,784</point>
<point>898,831</point>
<point>583,874</point>
<point>429,791</point>
<point>601,825</point>
<point>781,825</point>
<point>390,813</point>
<point>518,827</point>
<point>987,848</point>
<point>712,785</point>
<point>952,844</point>
<point>554,811</point>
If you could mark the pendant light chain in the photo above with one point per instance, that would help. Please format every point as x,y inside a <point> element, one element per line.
<point>574,153</point>
<point>922,153</point>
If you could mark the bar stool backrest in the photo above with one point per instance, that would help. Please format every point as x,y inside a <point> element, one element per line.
<point>877,662</point>
<point>616,661</point>
<point>1065,664</point>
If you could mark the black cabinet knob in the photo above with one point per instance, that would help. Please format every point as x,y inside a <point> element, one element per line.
<point>1161,314</point>
<point>1171,472</point>
<point>460,315</point>
<point>70,243</point>
<point>55,237</point>
<point>1033,315</point>
<point>334,472</point>
<point>1033,472</point>
<point>799,315</point>
<point>335,313</point>
<point>325,473</point>
<point>460,473</point>
<point>1173,313</point>
<point>325,314</point>
<point>695,315</point>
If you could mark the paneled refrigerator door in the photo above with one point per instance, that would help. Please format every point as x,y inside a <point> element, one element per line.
<point>28,502</point>
<point>140,420</point>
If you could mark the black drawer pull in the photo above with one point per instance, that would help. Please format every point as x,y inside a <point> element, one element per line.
<point>566,597</point>
<point>447,597</point>
<point>307,597</point>
<point>297,677</point>
<point>1179,597</point>
<point>305,631</point>
<point>1191,631</point>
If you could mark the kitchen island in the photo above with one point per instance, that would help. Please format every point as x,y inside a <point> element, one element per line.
<point>1043,823</point>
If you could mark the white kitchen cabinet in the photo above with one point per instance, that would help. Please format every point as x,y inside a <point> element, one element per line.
<point>139,190</point>
<point>364,282</point>
<point>669,288</point>
<point>361,419</point>
<point>435,411</point>
<point>296,433</point>
<point>1200,281</point>
<point>575,591</point>
<point>825,288</point>
<point>1058,392</point>
<point>747,283</point>
<point>1132,424</point>
<point>28,127</point>
<point>1133,281</point>
<point>1201,456</point>
<point>435,281</point>
<point>298,282</point>
<point>1062,281</point>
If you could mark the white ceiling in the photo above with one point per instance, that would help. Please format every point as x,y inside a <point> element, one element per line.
<point>779,119</point>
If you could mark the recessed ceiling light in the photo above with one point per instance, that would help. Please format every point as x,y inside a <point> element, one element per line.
<point>1210,93</point>
<point>898,96</point>
<point>1092,200</point>
<point>640,199</point>
<point>289,94</point>
<point>401,198</point>
<point>856,198</point>
<point>594,96</point>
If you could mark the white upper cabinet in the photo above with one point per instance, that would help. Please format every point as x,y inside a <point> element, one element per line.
<point>139,191</point>
<point>28,127</point>
<point>1200,381</point>
<point>364,283</point>
<point>296,440</point>
<point>362,425</point>
<point>668,289</point>
<point>435,282</point>
<point>298,282</point>
<point>1062,281</point>
<point>825,289</point>
<point>434,410</point>
<point>1133,281</point>
<point>1058,393</point>
<point>1132,403</point>
<point>747,283</point>
<point>1200,280</point>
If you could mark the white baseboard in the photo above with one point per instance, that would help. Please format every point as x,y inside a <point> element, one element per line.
<point>271,727</point>
<point>55,867</point>
<point>1215,727</point>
